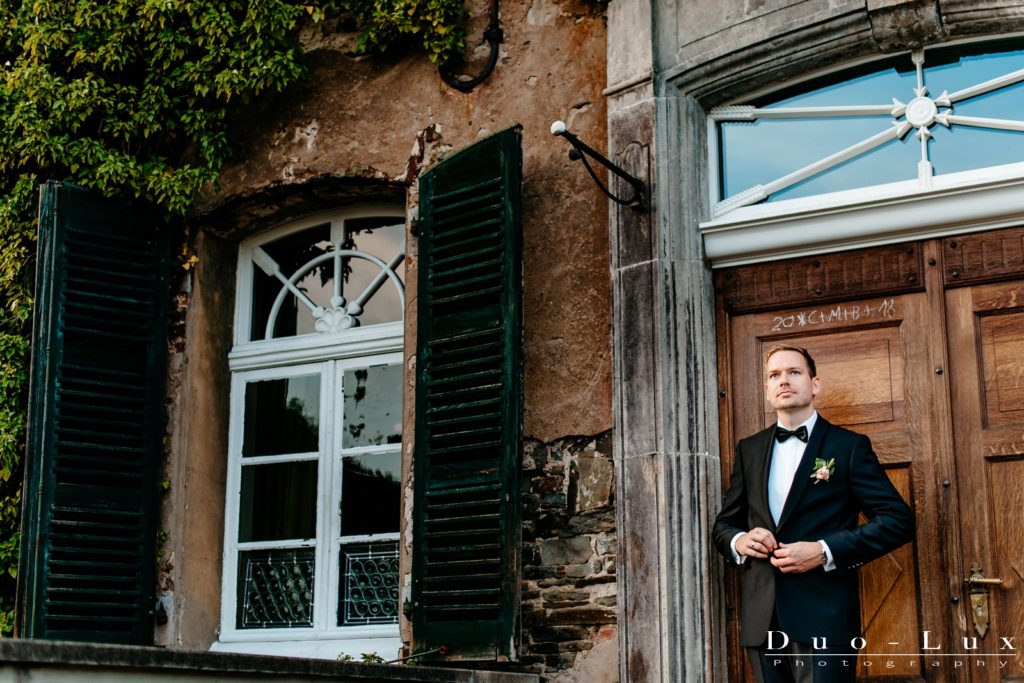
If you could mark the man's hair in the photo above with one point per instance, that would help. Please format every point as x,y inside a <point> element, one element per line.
<point>799,349</point>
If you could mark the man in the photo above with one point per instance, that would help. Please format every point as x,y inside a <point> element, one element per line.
<point>790,519</point>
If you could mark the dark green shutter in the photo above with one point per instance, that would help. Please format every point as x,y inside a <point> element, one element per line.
<point>95,421</point>
<point>466,519</point>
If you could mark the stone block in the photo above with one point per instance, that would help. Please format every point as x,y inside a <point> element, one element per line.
<point>541,573</point>
<point>596,483</point>
<point>544,648</point>
<point>605,544</point>
<point>593,581</point>
<point>555,467</point>
<point>581,615</point>
<point>559,601</point>
<point>553,500</point>
<point>577,571</point>
<point>529,464</point>
<point>546,484</point>
<point>591,523</point>
<point>565,551</point>
<point>551,525</point>
<point>563,595</point>
<point>574,646</point>
<point>546,633</point>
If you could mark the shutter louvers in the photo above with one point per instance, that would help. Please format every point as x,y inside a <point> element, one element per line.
<point>95,430</point>
<point>466,519</point>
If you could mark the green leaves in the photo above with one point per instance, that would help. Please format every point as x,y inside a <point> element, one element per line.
<point>437,25</point>
<point>131,96</point>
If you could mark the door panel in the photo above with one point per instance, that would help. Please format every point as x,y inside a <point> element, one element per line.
<point>934,374</point>
<point>986,346</point>
<point>872,361</point>
<point>888,600</point>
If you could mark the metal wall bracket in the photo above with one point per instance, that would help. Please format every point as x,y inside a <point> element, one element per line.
<point>580,151</point>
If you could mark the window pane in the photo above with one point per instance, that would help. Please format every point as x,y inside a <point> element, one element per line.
<point>373,406</point>
<point>282,416</point>
<point>758,153</point>
<point>278,502</point>
<point>369,584</point>
<point>290,253</point>
<point>275,589</point>
<point>382,237</point>
<point>370,493</point>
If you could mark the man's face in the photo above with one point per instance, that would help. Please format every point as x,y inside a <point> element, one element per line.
<point>789,386</point>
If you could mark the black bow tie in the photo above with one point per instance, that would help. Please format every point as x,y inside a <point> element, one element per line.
<point>781,433</point>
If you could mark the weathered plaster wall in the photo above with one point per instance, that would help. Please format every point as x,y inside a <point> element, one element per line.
<point>361,129</point>
<point>198,386</point>
<point>358,117</point>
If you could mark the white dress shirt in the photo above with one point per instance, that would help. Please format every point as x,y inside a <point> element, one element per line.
<point>785,461</point>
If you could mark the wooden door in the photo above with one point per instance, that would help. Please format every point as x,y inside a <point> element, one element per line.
<point>986,350</point>
<point>877,356</point>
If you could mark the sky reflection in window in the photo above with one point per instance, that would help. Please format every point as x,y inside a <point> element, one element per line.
<point>763,151</point>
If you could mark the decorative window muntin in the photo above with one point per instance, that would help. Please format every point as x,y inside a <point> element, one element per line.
<point>905,119</point>
<point>314,461</point>
<point>288,277</point>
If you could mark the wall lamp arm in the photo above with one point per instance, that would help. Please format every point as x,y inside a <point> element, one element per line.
<point>580,151</point>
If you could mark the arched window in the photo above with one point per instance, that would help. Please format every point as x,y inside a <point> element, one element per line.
<point>922,140</point>
<point>314,461</point>
<point>910,118</point>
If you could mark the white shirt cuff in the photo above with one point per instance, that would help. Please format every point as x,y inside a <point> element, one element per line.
<point>830,563</point>
<point>736,557</point>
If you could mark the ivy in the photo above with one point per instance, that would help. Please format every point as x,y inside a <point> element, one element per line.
<point>134,98</point>
<point>437,24</point>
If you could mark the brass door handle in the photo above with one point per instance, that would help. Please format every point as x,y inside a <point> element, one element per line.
<point>978,579</point>
<point>978,594</point>
<point>982,581</point>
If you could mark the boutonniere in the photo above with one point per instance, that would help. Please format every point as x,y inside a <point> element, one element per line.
<point>823,471</point>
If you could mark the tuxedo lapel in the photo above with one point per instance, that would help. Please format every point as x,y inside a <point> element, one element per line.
<point>803,472</point>
<point>763,453</point>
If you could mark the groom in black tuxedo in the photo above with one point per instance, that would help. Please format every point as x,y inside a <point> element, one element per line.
<point>789,519</point>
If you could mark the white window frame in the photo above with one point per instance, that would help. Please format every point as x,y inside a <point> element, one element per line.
<point>330,355</point>
<point>954,203</point>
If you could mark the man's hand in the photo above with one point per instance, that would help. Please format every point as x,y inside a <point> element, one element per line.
<point>757,543</point>
<point>797,558</point>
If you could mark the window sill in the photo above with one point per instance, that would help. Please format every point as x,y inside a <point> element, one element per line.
<point>383,641</point>
<point>40,660</point>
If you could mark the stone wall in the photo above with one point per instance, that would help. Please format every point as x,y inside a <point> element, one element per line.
<point>569,589</point>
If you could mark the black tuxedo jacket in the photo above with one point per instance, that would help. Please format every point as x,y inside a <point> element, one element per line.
<point>816,603</point>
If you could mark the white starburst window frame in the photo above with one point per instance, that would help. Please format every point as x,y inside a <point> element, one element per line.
<point>742,229</point>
